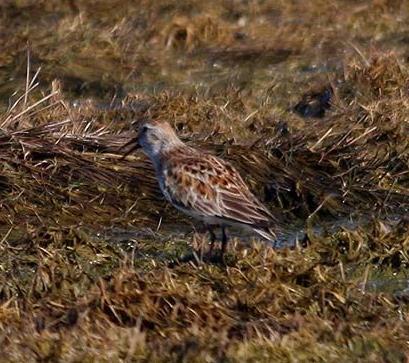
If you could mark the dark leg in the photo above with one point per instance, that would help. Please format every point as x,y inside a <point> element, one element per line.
<point>224,240</point>
<point>212,237</point>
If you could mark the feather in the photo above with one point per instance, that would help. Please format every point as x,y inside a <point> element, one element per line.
<point>202,185</point>
<point>210,187</point>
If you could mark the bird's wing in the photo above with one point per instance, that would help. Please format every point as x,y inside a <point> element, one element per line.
<point>211,187</point>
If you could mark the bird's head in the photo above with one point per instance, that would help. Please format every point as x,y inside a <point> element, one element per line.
<point>155,137</point>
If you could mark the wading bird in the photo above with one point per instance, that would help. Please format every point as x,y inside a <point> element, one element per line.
<point>200,184</point>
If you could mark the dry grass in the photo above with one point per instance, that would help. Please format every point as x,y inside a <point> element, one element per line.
<point>85,275</point>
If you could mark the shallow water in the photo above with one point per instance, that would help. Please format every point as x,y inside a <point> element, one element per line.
<point>396,287</point>
<point>205,73</point>
<point>290,236</point>
<point>293,235</point>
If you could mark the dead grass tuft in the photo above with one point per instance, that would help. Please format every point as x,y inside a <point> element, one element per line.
<point>90,254</point>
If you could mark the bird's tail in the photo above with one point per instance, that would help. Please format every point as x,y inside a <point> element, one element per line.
<point>267,233</point>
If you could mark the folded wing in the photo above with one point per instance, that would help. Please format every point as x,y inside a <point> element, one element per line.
<point>211,187</point>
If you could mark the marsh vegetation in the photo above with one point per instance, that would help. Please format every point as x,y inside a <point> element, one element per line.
<point>309,100</point>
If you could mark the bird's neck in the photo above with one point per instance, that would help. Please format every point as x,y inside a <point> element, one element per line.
<point>167,153</point>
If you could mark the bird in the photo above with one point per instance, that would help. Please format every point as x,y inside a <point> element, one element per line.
<point>201,184</point>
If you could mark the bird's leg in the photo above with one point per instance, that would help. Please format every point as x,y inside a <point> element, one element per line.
<point>224,240</point>
<point>212,238</point>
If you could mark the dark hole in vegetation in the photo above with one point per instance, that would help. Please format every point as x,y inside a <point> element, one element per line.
<point>396,260</point>
<point>282,128</point>
<point>403,225</point>
<point>180,126</point>
<point>5,187</point>
<point>219,287</point>
<point>343,246</point>
<point>185,350</point>
<point>245,309</point>
<point>39,323</point>
<point>375,260</point>
<point>239,36</point>
<point>305,241</point>
<point>310,202</point>
<point>232,14</point>
<point>252,127</point>
<point>382,137</point>
<point>303,280</point>
<point>277,153</point>
<point>42,155</point>
<point>119,317</point>
<point>180,36</point>
<point>72,316</point>
<point>270,193</point>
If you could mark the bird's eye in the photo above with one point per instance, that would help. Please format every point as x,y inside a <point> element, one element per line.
<point>145,128</point>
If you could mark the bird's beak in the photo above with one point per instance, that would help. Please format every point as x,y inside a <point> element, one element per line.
<point>136,146</point>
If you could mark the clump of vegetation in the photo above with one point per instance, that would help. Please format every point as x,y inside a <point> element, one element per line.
<point>90,253</point>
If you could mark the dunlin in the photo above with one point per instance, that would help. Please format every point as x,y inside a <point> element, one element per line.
<point>200,184</point>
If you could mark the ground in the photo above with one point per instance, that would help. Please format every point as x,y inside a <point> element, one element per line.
<point>309,100</point>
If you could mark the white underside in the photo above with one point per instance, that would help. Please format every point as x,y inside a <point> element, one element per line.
<point>217,221</point>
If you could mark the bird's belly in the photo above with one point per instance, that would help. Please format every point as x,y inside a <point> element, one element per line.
<point>210,220</point>
<point>206,219</point>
